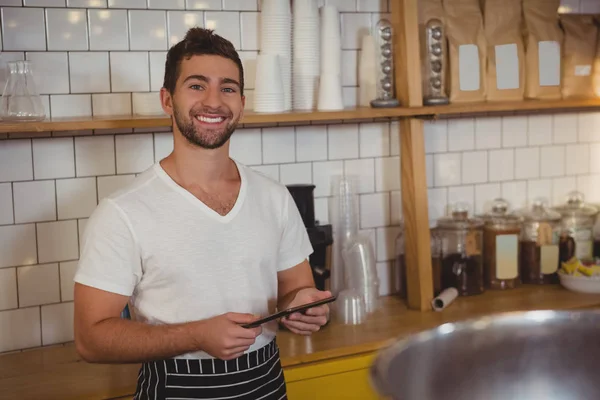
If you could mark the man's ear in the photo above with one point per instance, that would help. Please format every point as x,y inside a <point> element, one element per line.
<point>166,101</point>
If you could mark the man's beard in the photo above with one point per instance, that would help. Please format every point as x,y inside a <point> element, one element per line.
<point>210,139</point>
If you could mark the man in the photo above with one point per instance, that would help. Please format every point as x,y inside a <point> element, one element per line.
<point>197,245</point>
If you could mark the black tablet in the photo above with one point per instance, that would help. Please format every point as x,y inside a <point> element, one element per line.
<point>289,311</point>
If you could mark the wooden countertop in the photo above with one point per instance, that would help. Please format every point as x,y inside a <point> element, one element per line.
<point>58,373</point>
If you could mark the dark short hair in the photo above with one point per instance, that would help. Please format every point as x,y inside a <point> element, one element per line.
<point>197,42</point>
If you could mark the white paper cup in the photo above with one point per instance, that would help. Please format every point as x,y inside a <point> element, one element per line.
<point>275,7</point>
<point>330,92</point>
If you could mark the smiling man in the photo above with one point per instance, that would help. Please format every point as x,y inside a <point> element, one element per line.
<point>197,245</point>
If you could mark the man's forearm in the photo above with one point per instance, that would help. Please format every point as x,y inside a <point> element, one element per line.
<point>117,340</point>
<point>284,300</point>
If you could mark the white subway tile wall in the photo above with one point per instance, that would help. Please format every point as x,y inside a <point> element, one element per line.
<point>103,57</point>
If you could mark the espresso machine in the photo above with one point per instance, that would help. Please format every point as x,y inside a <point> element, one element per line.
<point>321,236</point>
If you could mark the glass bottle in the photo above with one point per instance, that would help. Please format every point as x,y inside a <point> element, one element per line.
<point>538,244</point>
<point>20,99</point>
<point>460,239</point>
<point>501,231</point>
<point>577,223</point>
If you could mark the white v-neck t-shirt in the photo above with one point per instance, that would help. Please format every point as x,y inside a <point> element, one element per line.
<point>181,261</point>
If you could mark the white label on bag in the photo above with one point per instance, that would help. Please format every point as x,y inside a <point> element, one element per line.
<point>549,63</point>
<point>583,70</point>
<point>468,67</point>
<point>507,66</point>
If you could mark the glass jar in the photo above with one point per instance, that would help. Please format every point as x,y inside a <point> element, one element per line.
<point>577,224</point>
<point>538,245</point>
<point>501,231</point>
<point>20,99</point>
<point>460,240</point>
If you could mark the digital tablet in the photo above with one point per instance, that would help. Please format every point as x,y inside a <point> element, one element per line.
<point>289,311</point>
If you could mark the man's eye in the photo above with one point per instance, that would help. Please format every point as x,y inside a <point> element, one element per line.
<point>195,87</point>
<point>229,90</point>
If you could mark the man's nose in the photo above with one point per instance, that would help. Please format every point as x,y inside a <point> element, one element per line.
<point>213,98</point>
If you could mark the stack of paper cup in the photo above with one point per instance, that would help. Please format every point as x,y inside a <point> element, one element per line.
<point>306,51</point>
<point>276,39</point>
<point>330,82</point>
<point>268,86</point>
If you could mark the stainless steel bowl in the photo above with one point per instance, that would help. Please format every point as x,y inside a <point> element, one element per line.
<point>535,355</point>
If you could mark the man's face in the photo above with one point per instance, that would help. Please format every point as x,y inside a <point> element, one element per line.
<point>207,103</point>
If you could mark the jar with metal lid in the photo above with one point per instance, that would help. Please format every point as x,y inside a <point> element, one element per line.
<point>501,231</point>
<point>577,223</point>
<point>460,240</point>
<point>538,245</point>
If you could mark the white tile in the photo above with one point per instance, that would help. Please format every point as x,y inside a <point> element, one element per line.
<point>129,72</point>
<point>179,22</point>
<point>311,143</point>
<point>57,241</point>
<point>364,170</point>
<point>527,164</point>
<point>5,58</point>
<point>15,3</point>
<point>95,155</point>
<point>53,158</point>
<point>502,165</point>
<point>341,5</point>
<point>240,5</point>
<point>290,174</point>
<point>436,136</point>
<point>111,104</point>
<point>89,72</point>
<point>396,207</point>
<point>23,29</point>
<point>429,169</point>
<point>71,105</point>
<point>76,197</point>
<point>322,210</point>
<point>565,128</point>
<point>343,141</point>
<point>446,169</point>
<point>350,70</point>
<point>485,195</point>
<point>6,204</point>
<point>461,134</point>
<point>67,29</point>
<point>350,97</point>
<point>147,30</point>
<point>593,155</point>
<point>374,210</point>
<point>394,138</point>
<point>250,30</point>
<point>588,185</point>
<point>17,245</point>
<point>38,284</point>
<point>323,175</point>
<point>539,188</point>
<point>540,130</point>
<point>387,174</point>
<point>374,139</point>
<point>57,323</point>
<point>561,187</point>
<point>127,3</point>
<point>203,4</point>
<point>225,24</point>
<point>35,201</point>
<point>590,7</point>
<point>81,224</point>
<point>488,133</point>
<point>514,131</point>
<point>108,30</point>
<point>8,289</point>
<point>135,153</point>
<point>474,167</point>
<point>589,126</point>
<point>577,158</point>
<point>246,145</point>
<point>110,184</point>
<point>147,103</point>
<point>372,5</point>
<point>67,276</point>
<point>270,171</point>
<point>462,194</point>
<point>387,275</point>
<point>41,3</point>
<point>50,72</point>
<point>157,69</point>
<point>278,145</point>
<point>86,3</point>
<point>20,329</point>
<point>16,160</point>
<point>248,59</point>
<point>386,241</point>
<point>166,4</point>
<point>552,161</point>
<point>354,27</point>
<point>249,96</point>
<point>163,145</point>
<point>515,193</point>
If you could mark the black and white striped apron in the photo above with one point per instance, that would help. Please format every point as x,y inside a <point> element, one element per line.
<point>253,376</point>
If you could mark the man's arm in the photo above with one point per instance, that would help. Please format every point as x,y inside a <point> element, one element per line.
<point>291,281</point>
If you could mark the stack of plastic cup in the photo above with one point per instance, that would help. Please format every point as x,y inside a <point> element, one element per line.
<point>306,50</point>
<point>330,82</point>
<point>268,87</point>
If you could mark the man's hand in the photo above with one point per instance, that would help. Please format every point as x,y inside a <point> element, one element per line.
<point>314,318</point>
<point>223,337</point>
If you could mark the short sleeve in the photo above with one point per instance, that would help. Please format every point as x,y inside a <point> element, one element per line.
<point>295,245</point>
<point>110,258</point>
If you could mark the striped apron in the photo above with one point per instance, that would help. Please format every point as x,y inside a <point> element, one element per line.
<point>253,376</point>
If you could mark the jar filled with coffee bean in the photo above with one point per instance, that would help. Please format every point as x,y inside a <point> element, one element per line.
<point>538,245</point>
<point>577,223</point>
<point>460,240</point>
<point>501,233</point>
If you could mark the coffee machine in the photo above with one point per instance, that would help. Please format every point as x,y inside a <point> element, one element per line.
<point>321,236</point>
